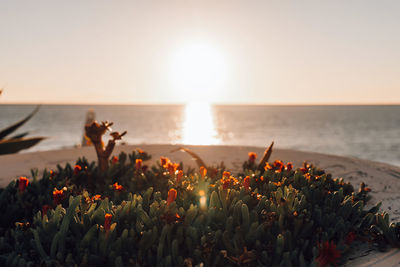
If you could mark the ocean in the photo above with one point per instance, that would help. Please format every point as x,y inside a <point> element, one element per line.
<point>367,132</point>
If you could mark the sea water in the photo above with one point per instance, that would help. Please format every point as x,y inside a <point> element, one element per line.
<point>367,132</point>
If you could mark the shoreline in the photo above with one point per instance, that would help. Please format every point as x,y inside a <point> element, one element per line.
<point>383,179</point>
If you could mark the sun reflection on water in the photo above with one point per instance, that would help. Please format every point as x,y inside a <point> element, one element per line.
<point>198,125</point>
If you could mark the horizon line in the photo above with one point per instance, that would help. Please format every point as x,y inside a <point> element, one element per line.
<point>212,103</point>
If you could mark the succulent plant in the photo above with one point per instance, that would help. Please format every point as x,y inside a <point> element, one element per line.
<point>163,216</point>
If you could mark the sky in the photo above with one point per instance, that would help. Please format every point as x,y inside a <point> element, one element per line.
<point>228,52</point>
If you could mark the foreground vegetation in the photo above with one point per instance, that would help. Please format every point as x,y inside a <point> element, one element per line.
<point>125,213</point>
<point>161,216</point>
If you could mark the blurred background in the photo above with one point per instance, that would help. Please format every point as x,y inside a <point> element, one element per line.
<point>315,76</point>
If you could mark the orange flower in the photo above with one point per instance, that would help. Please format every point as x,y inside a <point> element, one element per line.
<point>22,183</point>
<point>58,196</point>
<point>107,221</point>
<point>203,171</point>
<point>96,197</point>
<point>164,161</point>
<point>307,176</point>
<point>171,196</point>
<point>279,165</point>
<point>295,214</point>
<point>246,183</point>
<point>226,174</point>
<point>77,169</point>
<point>267,166</point>
<point>179,176</point>
<point>45,208</point>
<point>138,164</point>
<point>289,166</point>
<point>117,187</point>
<point>172,167</point>
<point>327,254</point>
<point>141,152</point>
<point>252,156</point>
<point>114,160</point>
<point>278,184</point>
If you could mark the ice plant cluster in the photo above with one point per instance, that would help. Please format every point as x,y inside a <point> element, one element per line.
<point>269,214</point>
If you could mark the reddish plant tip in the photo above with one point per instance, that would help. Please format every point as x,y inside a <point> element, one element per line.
<point>117,187</point>
<point>179,176</point>
<point>327,254</point>
<point>22,183</point>
<point>164,161</point>
<point>114,160</point>
<point>45,208</point>
<point>252,156</point>
<point>350,237</point>
<point>107,221</point>
<point>58,196</point>
<point>138,165</point>
<point>77,169</point>
<point>171,196</point>
<point>246,183</point>
<point>289,166</point>
<point>203,171</point>
<point>225,183</point>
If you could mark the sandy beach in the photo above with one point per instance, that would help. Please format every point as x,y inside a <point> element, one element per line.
<point>382,178</point>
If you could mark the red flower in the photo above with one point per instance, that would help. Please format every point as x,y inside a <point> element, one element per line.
<point>203,171</point>
<point>77,169</point>
<point>138,165</point>
<point>45,208</point>
<point>327,254</point>
<point>289,166</point>
<point>107,222</point>
<point>350,237</point>
<point>225,183</point>
<point>58,196</point>
<point>114,160</point>
<point>252,156</point>
<point>179,176</point>
<point>171,196</point>
<point>246,183</point>
<point>117,187</point>
<point>22,183</point>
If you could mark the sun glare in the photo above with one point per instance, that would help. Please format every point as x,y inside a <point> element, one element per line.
<point>198,72</point>
<point>198,127</point>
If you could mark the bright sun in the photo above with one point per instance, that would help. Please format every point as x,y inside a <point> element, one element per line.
<point>198,72</point>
